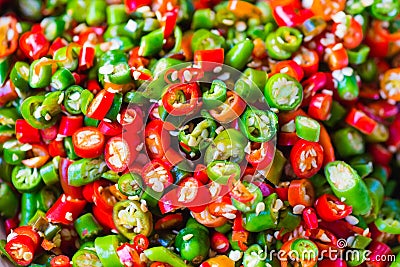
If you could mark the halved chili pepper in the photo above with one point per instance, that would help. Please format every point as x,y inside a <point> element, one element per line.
<point>88,142</point>
<point>100,105</point>
<point>156,175</point>
<point>231,109</point>
<point>65,210</point>
<point>330,208</point>
<point>301,192</point>
<point>181,99</point>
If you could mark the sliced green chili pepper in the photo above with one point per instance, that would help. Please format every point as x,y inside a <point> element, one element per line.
<point>215,96</point>
<point>163,254</point>
<point>205,40</point>
<point>203,19</point>
<point>238,56</point>
<point>5,66</point>
<point>265,219</point>
<point>47,196</point>
<point>252,204</point>
<point>385,10</point>
<point>358,55</point>
<point>85,257</point>
<point>307,128</point>
<point>362,164</point>
<point>130,184</point>
<point>86,99</point>
<point>116,14</point>
<point>346,184</point>
<point>14,152</point>
<point>151,44</point>
<point>258,77</point>
<point>70,63</point>
<point>274,51</point>
<point>389,219</point>
<point>121,74</point>
<point>87,227</point>
<point>72,99</point>
<point>254,256</point>
<point>9,201</point>
<point>347,86</point>
<point>348,142</point>
<point>306,249</point>
<point>283,92</point>
<point>8,116</point>
<point>62,79</point>
<point>20,75</point>
<point>85,171</point>
<point>69,147</point>
<point>96,12</point>
<point>25,179</point>
<point>130,219</point>
<point>35,111</point>
<point>194,249</point>
<point>29,206</point>
<point>247,90</point>
<point>258,125</point>
<point>106,247</point>
<point>196,139</point>
<point>288,39</point>
<point>337,114</point>
<point>220,171</point>
<point>41,79</point>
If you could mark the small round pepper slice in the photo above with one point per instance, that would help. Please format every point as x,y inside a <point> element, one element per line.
<point>306,158</point>
<point>283,92</point>
<point>88,142</point>
<point>259,125</point>
<point>131,220</point>
<point>181,99</point>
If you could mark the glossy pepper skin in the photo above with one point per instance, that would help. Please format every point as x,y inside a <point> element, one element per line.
<point>349,188</point>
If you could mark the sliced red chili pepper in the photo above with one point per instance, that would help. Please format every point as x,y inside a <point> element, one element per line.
<point>181,99</point>
<point>75,192</point>
<point>65,210</point>
<point>21,249</point>
<point>104,217</point>
<point>383,109</point>
<point>40,156</point>
<point>193,194</point>
<point>239,190</point>
<point>25,133</point>
<point>312,85</point>
<point>336,56</point>
<point>117,154</point>
<point>283,193</point>
<point>310,218</point>
<point>135,60</point>
<point>353,35</point>
<point>10,224</point>
<point>379,256</point>
<point>306,158</point>
<point>307,59</point>
<point>360,121</point>
<point>57,44</point>
<point>110,128</point>
<point>128,256</point>
<point>34,44</point>
<point>330,208</point>
<point>219,242</point>
<point>157,139</point>
<point>287,139</point>
<point>301,192</point>
<point>222,206</point>
<point>209,220</point>
<point>168,22</point>
<point>100,105</point>
<point>169,202</point>
<point>394,134</point>
<point>200,173</point>
<point>8,35</point>
<point>204,57</point>
<point>132,119</point>
<point>132,5</point>
<point>289,67</point>
<point>140,243</point>
<point>30,232</point>
<point>7,93</point>
<point>171,221</point>
<point>233,107</point>
<point>156,175</point>
<point>261,154</point>
<point>86,57</point>
<point>102,196</point>
<point>60,261</point>
<point>70,124</point>
<point>325,142</point>
<point>93,86</point>
<point>320,106</point>
<point>380,154</point>
<point>88,142</point>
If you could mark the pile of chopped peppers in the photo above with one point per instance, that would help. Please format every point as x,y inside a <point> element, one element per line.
<point>200,133</point>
